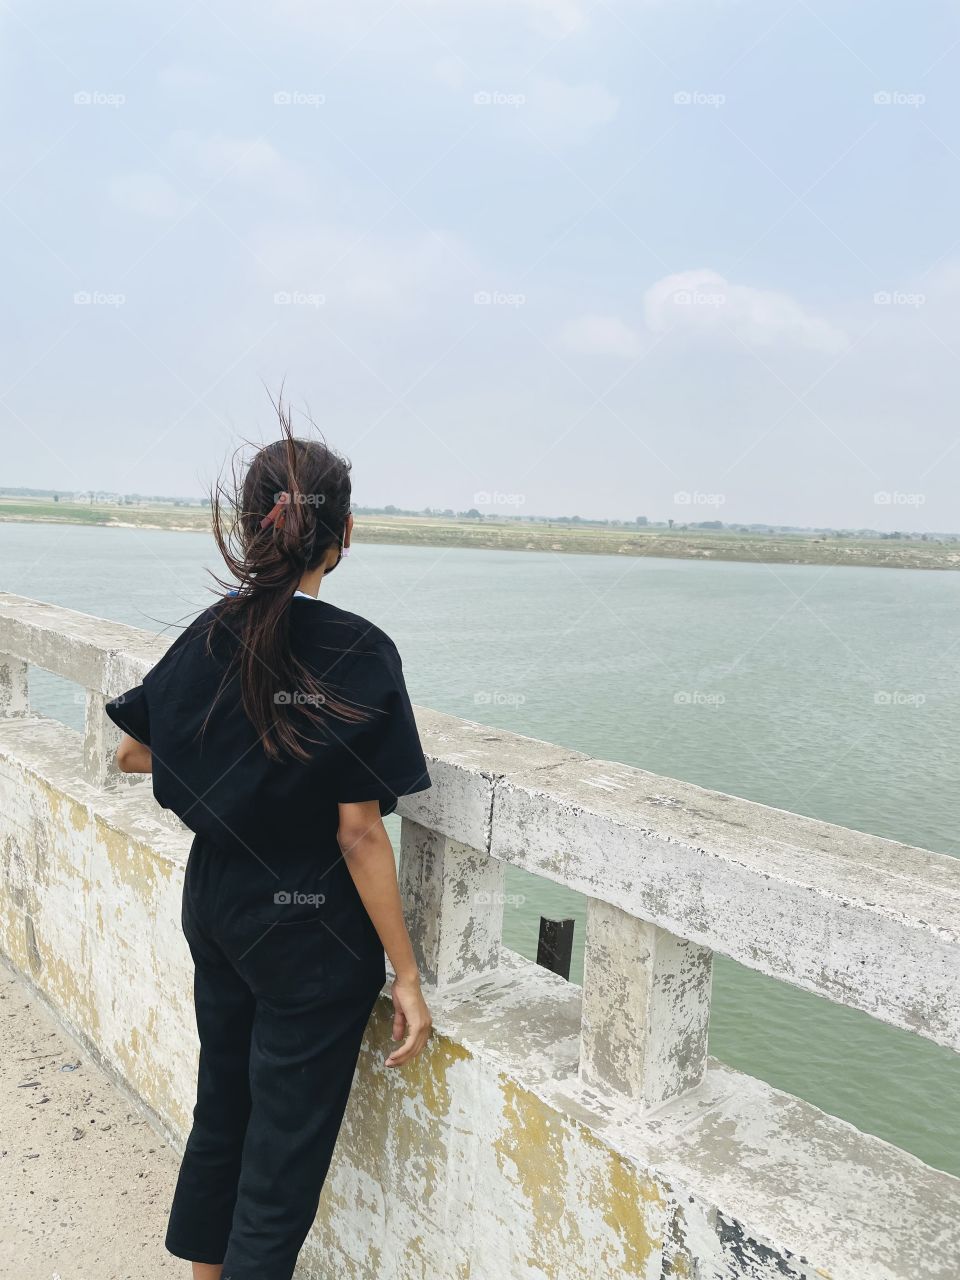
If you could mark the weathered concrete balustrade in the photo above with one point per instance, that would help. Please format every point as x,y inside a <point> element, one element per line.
<point>548,1131</point>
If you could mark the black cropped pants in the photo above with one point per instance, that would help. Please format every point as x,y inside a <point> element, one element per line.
<point>288,969</point>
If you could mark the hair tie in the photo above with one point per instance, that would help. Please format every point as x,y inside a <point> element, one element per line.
<point>276,515</point>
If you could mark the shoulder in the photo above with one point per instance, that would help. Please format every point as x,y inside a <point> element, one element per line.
<point>184,644</point>
<point>346,643</point>
<point>347,632</point>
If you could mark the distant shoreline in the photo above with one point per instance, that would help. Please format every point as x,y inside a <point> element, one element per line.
<point>429,531</point>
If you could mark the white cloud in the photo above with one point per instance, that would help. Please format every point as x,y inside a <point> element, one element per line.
<point>602,335</point>
<point>568,113</point>
<point>557,17</point>
<point>366,271</point>
<point>552,17</point>
<point>149,194</point>
<point>703,303</point>
<point>203,159</point>
<point>220,156</point>
<point>707,306</point>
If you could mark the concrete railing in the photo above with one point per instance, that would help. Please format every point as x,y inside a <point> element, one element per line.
<point>548,1130</point>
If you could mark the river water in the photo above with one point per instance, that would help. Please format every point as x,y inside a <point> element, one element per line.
<point>832,692</point>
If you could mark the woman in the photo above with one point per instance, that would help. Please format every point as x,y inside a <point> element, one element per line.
<point>279,729</point>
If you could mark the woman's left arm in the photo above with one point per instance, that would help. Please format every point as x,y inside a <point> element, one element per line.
<point>133,756</point>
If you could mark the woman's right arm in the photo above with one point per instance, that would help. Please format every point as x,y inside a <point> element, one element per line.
<point>133,756</point>
<point>369,856</point>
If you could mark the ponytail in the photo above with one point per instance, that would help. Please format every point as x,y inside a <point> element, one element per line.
<point>276,521</point>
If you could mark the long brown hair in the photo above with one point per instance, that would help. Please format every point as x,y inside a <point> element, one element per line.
<point>267,548</point>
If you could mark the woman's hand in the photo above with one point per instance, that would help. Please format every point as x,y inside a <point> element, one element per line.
<point>411,1020</point>
<point>369,857</point>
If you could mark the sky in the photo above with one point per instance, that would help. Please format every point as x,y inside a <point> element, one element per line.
<point>689,260</point>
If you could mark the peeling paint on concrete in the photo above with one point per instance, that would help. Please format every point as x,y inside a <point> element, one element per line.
<point>494,1156</point>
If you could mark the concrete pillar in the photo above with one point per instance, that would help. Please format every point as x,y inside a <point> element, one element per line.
<point>14,699</point>
<point>646,1007</point>
<point>101,737</point>
<point>453,903</point>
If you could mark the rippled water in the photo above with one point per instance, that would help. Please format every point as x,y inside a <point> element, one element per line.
<point>833,692</point>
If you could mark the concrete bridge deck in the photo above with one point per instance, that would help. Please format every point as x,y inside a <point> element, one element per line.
<point>85,1179</point>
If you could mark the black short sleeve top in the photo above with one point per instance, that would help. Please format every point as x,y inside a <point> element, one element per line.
<point>209,767</point>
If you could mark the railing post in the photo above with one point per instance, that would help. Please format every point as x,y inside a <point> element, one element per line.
<point>646,1007</point>
<point>453,902</point>
<point>14,698</point>
<point>101,738</point>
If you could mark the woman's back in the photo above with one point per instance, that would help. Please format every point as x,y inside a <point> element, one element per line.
<point>208,764</point>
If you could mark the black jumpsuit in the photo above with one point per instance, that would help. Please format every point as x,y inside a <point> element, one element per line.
<point>287,962</point>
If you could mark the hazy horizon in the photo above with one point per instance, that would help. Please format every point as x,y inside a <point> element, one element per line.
<point>492,512</point>
<point>585,258</point>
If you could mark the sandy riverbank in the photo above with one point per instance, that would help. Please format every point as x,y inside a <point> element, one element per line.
<point>677,544</point>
